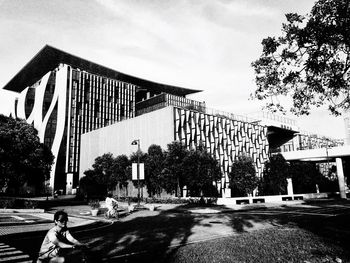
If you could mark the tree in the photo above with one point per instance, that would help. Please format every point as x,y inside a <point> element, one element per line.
<point>173,173</point>
<point>201,171</point>
<point>243,176</point>
<point>90,185</point>
<point>23,159</point>
<point>310,62</point>
<point>121,163</point>
<point>154,166</point>
<point>305,176</point>
<point>276,172</point>
<point>104,171</point>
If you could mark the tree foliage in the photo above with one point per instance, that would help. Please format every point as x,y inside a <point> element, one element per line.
<point>90,185</point>
<point>276,172</point>
<point>167,170</point>
<point>23,159</point>
<point>105,170</point>
<point>121,163</point>
<point>173,174</point>
<point>201,170</point>
<point>310,62</point>
<point>243,176</point>
<point>154,166</point>
<point>305,176</point>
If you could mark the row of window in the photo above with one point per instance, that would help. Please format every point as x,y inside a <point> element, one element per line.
<point>96,102</point>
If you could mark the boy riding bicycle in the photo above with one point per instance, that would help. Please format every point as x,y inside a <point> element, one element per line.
<point>112,206</point>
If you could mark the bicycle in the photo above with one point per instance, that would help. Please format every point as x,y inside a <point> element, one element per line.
<point>79,254</point>
<point>113,213</point>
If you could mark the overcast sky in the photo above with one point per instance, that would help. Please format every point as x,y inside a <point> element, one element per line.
<point>198,44</point>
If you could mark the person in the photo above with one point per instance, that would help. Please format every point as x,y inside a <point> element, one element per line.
<point>57,240</point>
<point>111,205</point>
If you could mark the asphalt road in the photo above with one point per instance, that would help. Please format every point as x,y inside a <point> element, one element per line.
<point>154,235</point>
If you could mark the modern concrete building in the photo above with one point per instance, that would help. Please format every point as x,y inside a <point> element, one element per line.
<point>83,110</point>
<point>223,137</point>
<point>64,96</point>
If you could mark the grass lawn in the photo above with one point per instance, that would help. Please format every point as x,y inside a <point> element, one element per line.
<point>305,239</point>
<point>280,244</point>
<point>291,235</point>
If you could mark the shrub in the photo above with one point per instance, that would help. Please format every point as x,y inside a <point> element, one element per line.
<point>7,203</point>
<point>243,176</point>
<point>192,200</point>
<point>94,204</point>
<point>30,204</point>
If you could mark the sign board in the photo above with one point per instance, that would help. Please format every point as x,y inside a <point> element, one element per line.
<point>134,171</point>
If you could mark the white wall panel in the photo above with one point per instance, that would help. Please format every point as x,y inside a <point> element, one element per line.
<point>152,128</point>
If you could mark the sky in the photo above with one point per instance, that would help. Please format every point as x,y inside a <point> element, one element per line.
<point>207,45</point>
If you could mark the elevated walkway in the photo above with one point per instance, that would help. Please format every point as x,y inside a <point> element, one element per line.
<point>338,153</point>
<point>318,154</point>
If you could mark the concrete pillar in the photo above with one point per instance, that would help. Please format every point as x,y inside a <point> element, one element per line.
<point>184,191</point>
<point>341,180</point>
<point>290,186</point>
<point>226,192</point>
<point>69,183</point>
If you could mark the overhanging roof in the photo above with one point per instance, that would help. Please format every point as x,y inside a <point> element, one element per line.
<point>48,58</point>
<point>278,136</point>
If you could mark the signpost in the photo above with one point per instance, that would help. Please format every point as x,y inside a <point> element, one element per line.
<point>137,142</point>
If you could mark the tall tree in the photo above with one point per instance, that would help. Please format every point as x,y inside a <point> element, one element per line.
<point>201,171</point>
<point>154,166</point>
<point>90,185</point>
<point>23,159</point>
<point>243,176</point>
<point>276,172</point>
<point>310,62</point>
<point>121,164</point>
<point>105,172</point>
<point>173,173</point>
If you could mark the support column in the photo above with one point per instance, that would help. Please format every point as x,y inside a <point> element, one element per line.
<point>290,186</point>
<point>226,193</point>
<point>341,180</point>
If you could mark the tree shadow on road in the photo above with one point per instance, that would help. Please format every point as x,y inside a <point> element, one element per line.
<point>152,235</point>
<point>157,236</point>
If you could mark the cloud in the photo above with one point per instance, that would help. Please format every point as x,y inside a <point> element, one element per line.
<point>206,44</point>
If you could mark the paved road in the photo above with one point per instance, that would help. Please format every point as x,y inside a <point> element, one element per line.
<point>146,232</point>
<point>9,253</point>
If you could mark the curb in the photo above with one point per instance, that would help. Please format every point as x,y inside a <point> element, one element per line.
<point>11,210</point>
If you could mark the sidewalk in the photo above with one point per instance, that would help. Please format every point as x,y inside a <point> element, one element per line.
<point>34,220</point>
<point>38,221</point>
<point>79,215</point>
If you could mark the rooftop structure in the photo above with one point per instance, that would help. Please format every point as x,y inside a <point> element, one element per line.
<point>49,58</point>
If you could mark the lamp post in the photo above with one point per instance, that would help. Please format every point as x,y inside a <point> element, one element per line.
<point>327,158</point>
<point>137,142</point>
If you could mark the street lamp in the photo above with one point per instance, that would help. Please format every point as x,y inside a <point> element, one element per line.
<point>137,142</point>
<point>328,174</point>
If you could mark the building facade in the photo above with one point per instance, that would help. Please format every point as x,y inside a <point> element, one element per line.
<point>83,110</point>
<point>224,138</point>
<point>64,96</point>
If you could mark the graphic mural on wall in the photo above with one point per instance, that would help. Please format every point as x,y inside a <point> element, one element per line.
<point>224,138</point>
<point>66,103</point>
